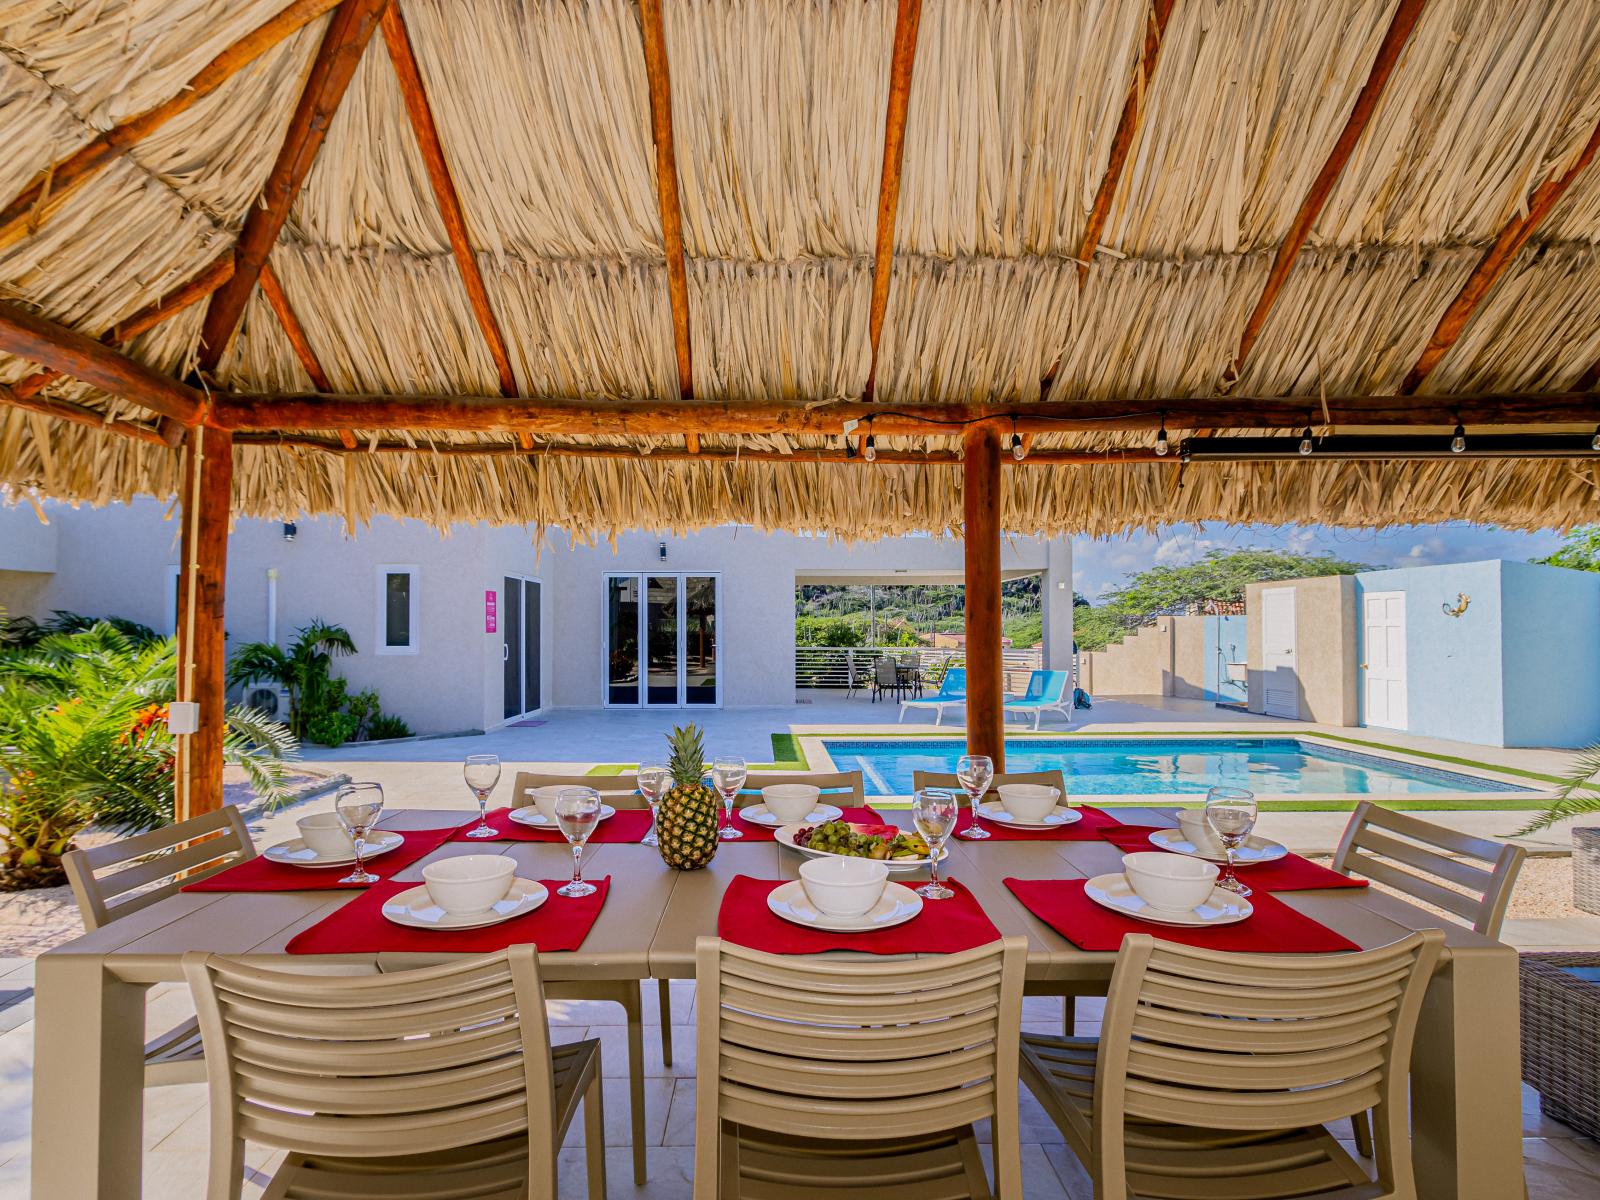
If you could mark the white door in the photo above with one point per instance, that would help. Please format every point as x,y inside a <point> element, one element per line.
<point>1281,683</point>
<point>1384,641</point>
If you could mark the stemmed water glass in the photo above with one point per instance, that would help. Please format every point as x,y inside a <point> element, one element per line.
<point>975,772</point>
<point>359,805</point>
<point>1231,813</point>
<point>653,781</point>
<point>482,773</point>
<point>934,814</point>
<point>728,774</point>
<point>577,813</point>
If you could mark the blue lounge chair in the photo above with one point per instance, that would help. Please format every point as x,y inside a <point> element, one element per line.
<point>952,691</point>
<point>1048,691</point>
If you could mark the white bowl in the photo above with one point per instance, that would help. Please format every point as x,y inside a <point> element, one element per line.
<point>324,833</point>
<point>843,887</point>
<point>790,802</point>
<point>1028,801</point>
<point>544,799</point>
<point>1197,830</point>
<point>470,883</point>
<point>1170,882</point>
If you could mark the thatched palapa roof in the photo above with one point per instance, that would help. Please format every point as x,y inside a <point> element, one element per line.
<point>1100,216</point>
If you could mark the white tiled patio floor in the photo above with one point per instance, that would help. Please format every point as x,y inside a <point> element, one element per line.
<point>1560,1165</point>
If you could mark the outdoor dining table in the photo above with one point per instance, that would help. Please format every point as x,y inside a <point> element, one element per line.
<point>88,1074</point>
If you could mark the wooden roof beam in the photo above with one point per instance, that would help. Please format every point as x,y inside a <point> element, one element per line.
<point>907,20</point>
<point>69,352</point>
<point>1405,18</point>
<point>652,418</point>
<point>298,341</point>
<point>660,81</point>
<point>79,414</point>
<point>342,46</point>
<point>63,177</point>
<point>1492,265</point>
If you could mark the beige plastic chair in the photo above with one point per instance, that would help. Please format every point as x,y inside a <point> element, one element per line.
<point>1215,1074</point>
<point>421,1083</point>
<point>845,789</point>
<point>823,1077</point>
<point>1068,989</point>
<point>145,868</point>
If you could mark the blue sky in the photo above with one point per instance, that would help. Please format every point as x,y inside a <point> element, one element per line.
<point>1100,564</point>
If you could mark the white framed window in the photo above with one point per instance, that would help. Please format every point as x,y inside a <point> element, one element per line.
<point>170,608</point>
<point>399,609</point>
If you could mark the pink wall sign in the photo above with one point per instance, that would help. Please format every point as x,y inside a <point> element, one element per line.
<point>491,611</point>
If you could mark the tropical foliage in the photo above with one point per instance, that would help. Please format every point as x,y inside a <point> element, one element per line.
<point>1578,795</point>
<point>18,633</point>
<point>83,740</point>
<point>1215,583</point>
<point>322,708</point>
<point>1580,550</point>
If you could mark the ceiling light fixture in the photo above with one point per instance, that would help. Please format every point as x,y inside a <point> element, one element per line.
<point>1306,446</point>
<point>1162,445</point>
<point>1458,441</point>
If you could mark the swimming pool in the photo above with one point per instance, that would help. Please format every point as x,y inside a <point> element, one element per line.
<point>1111,766</point>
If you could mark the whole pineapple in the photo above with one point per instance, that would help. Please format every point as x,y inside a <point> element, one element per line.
<point>686,822</point>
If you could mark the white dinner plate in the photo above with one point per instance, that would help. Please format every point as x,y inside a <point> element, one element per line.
<point>1116,893</point>
<point>295,853</point>
<point>534,819</point>
<point>757,814</point>
<point>1255,850</point>
<point>785,835</point>
<point>896,906</point>
<point>1058,817</point>
<point>415,908</point>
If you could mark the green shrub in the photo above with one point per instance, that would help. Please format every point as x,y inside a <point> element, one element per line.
<point>385,726</point>
<point>331,728</point>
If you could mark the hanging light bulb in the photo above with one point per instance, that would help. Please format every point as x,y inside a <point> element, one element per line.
<point>1162,445</point>
<point>870,452</point>
<point>1594,442</point>
<point>1458,441</point>
<point>1019,452</point>
<point>1306,446</point>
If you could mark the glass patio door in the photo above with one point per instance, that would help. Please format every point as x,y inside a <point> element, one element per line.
<point>661,641</point>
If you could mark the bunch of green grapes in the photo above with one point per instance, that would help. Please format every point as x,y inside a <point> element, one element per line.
<point>835,837</point>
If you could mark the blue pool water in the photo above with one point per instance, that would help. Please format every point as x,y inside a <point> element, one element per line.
<point>1109,766</point>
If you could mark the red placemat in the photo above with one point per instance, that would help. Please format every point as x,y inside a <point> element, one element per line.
<point>361,928</point>
<point>628,825</point>
<point>761,833</point>
<point>261,874</point>
<point>1086,830</point>
<point>1274,927</point>
<point>942,927</point>
<point>1291,873</point>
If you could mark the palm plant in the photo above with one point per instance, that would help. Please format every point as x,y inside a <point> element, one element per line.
<point>83,741</point>
<point>302,670</point>
<point>1578,795</point>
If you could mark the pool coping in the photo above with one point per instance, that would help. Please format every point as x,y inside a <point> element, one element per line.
<point>1529,795</point>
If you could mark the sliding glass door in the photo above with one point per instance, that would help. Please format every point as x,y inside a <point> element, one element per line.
<point>661,641</point>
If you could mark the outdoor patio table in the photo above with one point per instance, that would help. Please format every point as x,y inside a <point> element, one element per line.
<point>88,1076</point>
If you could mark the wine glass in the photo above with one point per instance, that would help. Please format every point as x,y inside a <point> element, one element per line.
<point>653,781</point>
<point>577,813</point>
<point>975,772</point>
<point>934,813</point>
<point>359,805</point>
<point>1231,813</point>
<point>482,772</point>
<point>728,774</point>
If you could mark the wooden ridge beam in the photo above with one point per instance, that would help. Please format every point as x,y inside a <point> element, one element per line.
<point>907,20</point>
<point>69,352</point>
<point>63,177</point>
<point>1492,265</point>
<point>570,417</point>
<point>660,81</point>
<point>79,414</point>
<point>1405,18</point>
<point>342,46</point>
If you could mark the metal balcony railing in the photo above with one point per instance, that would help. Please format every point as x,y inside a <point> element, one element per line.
<point>851,667</point>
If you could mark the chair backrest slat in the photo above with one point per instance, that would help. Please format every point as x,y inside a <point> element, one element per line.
<point>941,779</point>
<point>619,791</point>
<point>177,854</point>
<point>838,787</point>
<point>1290,1041</point>
<point>1376,839</point>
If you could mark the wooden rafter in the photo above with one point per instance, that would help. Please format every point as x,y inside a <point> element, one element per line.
<point>63,177</point>
<point>1405,18</point>
<point>1589,380</point>
<point>342,46</point>
<point>660,81</point>
<point>79,414</point>
<point>298,341</point>
<point>653,418</point>
<point>1495,260</point>
<point>908,18</point>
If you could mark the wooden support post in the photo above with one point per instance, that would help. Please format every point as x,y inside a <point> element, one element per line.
<point>206,504</point>
<point>980,506</point>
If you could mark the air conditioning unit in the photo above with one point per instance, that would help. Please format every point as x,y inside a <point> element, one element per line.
<point>274,701</point>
